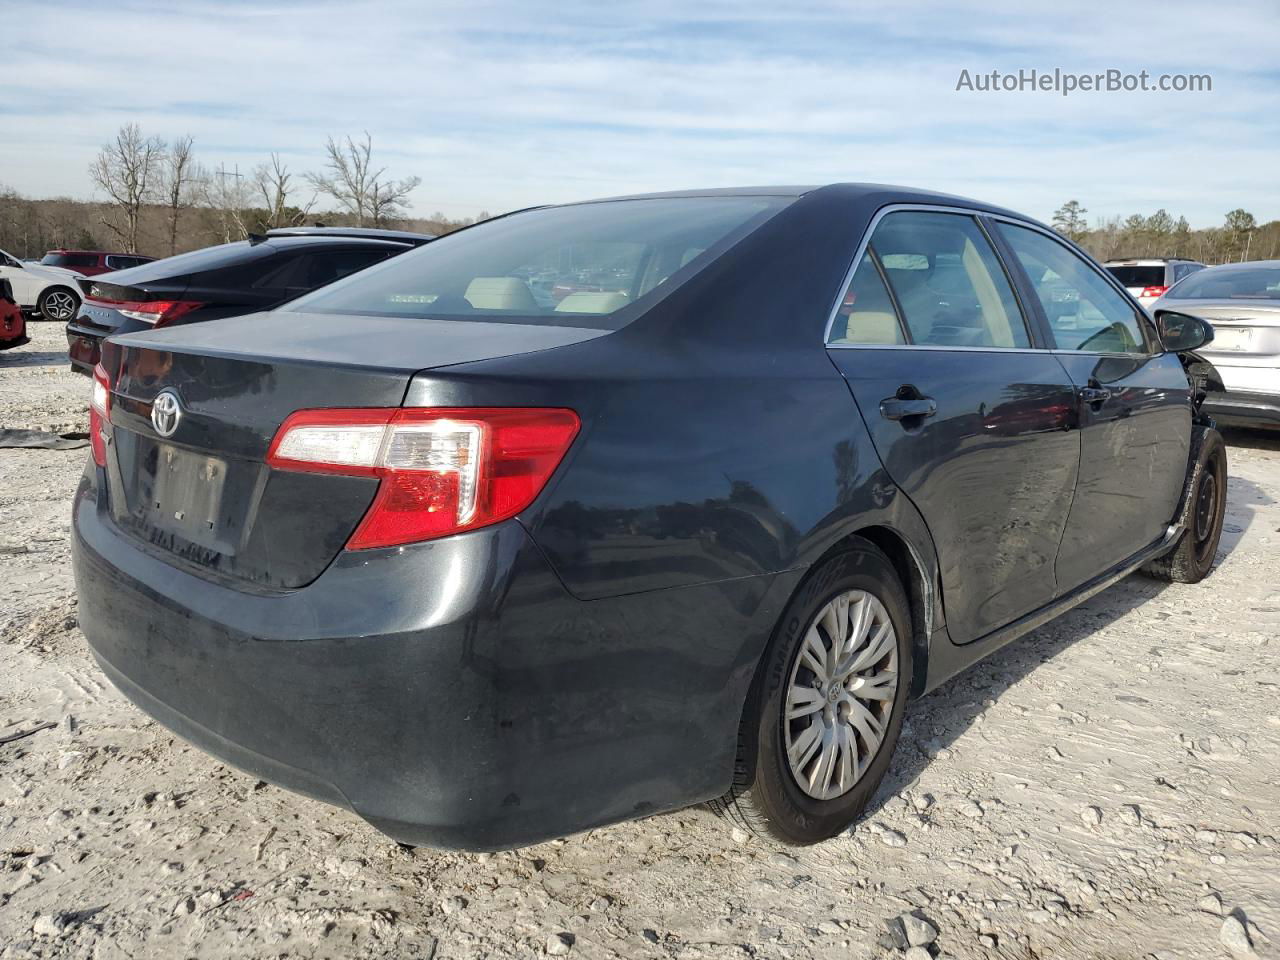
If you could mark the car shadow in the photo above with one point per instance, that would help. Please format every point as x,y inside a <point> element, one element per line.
<point>939,718</point>
<point>32,358</point>
<point>1253,439</point>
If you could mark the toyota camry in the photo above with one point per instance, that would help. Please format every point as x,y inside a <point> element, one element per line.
<point>620,506</point>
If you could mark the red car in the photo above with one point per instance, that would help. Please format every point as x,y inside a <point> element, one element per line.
<point>93,262</point>
<point>13,328</point>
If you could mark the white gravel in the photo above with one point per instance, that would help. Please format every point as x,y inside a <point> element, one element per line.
<point>1106,787</point>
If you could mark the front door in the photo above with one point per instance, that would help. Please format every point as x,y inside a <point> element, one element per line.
<point>970,417</point>
<point>1134,408</point>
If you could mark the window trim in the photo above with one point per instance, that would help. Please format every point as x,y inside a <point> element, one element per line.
<point>1016,275</point>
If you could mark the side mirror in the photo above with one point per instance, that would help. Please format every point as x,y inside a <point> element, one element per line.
<point>1180,332</point>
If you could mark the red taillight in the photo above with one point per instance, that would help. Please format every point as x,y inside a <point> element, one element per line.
<point>100,415</point>
<point>155,312</point>
<point>441,471</point>
<point>1153,291</point>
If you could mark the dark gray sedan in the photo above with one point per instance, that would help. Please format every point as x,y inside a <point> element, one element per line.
<point>592,511</point>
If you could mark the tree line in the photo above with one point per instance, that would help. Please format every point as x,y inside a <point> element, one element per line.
<point>158,199</point>
<point>1240,237</point>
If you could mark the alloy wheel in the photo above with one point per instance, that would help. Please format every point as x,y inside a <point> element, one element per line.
<point>59,306</point>
<point>840,694</point>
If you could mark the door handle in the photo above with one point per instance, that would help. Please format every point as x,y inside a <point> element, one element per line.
<point>907,403</point>
<point>1095,396</point>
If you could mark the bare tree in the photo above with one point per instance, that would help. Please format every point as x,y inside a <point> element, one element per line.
<point>227,195</point>
<point>273,183</point>
<point>126,170</point>
<point>179,181</point>
<point>352,181</point>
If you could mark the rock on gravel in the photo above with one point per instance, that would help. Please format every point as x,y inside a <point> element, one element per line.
<point>920,932</point>
<point>559,944</point>
<point>1235,937</point>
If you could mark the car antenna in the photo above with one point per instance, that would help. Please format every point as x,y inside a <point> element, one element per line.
<point>256,238</point>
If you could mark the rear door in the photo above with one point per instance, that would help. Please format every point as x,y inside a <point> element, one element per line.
<point>970,415</point>
<point>1134,407</point>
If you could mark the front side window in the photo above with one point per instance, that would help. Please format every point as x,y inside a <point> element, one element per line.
<point>576,265</point>
<point>1084,311</point>
<point>947,281</point>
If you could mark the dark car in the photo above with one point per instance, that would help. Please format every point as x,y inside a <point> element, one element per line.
<point>93,262</point>
<point>501,568</point>
<point>13,325</point>
<point>224,281</point>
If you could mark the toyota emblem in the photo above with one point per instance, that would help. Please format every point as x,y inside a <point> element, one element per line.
<point>166,411</point>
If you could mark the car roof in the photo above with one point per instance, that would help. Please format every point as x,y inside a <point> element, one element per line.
<point>355,233</point>
<point>891,193</point>
<point>290,241</point>
<point>1246,265</point>
<point>1145,261</point>
<point>98,253</point>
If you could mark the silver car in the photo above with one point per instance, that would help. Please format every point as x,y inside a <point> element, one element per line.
<point>1242,303</point>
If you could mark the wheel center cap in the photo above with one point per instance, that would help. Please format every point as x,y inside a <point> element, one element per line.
<point>833,695</point>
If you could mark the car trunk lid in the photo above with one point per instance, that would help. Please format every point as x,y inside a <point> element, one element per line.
<point>191,481</point>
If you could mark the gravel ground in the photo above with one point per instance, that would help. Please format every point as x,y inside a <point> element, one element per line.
<point>1109,786</point>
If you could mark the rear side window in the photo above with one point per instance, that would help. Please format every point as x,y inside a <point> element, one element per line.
<point>124,263</point>
<point>947,282</point>
<point>577,265</point>
<point>866,314</point>
<point>1084,311</point>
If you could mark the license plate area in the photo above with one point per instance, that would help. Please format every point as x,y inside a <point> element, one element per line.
<point>1231,338</point>
<point>186,495</point>
<point>182,500</point>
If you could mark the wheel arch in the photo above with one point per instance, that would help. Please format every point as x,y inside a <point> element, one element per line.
<point>911,570</point>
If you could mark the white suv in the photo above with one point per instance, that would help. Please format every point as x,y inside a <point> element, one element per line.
<point>50,291</point>
<point>1148,279</point>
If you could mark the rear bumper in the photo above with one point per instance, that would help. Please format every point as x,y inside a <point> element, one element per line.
<point>84,347</point>
<point>452,693</point>
<point>1244,409</point>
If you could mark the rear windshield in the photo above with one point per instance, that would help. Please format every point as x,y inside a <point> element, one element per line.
<point>1139,276</point>
<point>1236,283</point>
<point>564,266</point>
<point>70,260</point>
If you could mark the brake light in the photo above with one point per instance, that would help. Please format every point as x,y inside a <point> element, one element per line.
<point>100,415</point>
<point>155,312</point>
<point>441,471</point>
<point>1153,291</point>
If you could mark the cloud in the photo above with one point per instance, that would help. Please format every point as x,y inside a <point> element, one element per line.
<point>499,106</point>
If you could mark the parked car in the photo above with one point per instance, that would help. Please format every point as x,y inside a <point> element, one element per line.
<point>488,570</point>
<point>1242,302</point>
<point>224,281</point>
<point>1148,279</point>
<point>90,263</point>
<point>48,291</point>
<point>13,325</point>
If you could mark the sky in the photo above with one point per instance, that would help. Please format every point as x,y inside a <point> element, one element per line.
<point>497,106</point>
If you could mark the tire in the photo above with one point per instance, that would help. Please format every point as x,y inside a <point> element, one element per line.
<point>58,303</point>
<point>768,796</point>
<point>1192,558</point>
